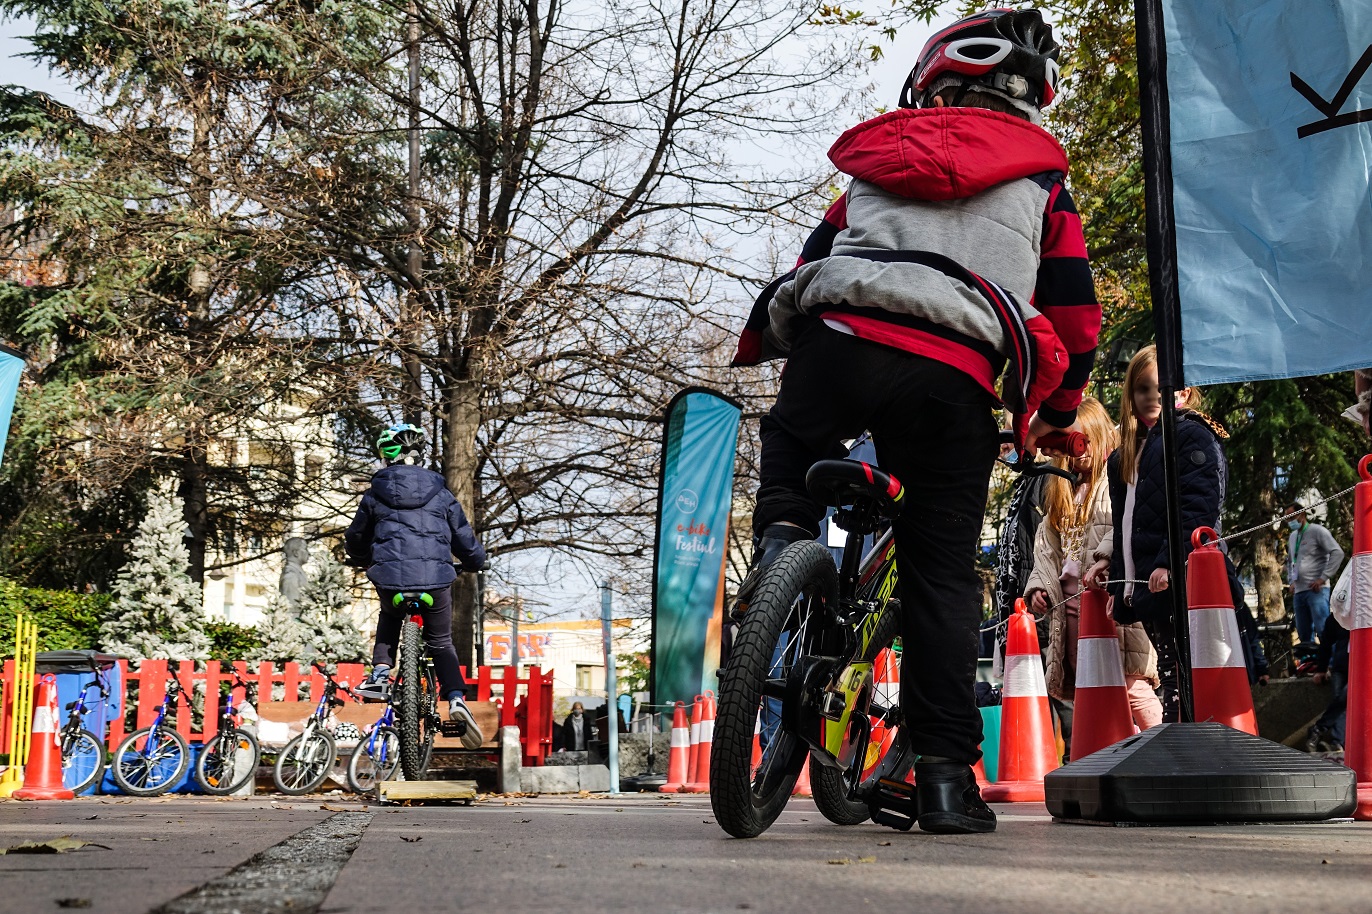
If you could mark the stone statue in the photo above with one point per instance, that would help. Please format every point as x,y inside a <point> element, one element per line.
<point>293,579</point>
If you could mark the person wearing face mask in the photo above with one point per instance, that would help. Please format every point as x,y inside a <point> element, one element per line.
<point>576,730</point>
<point>1312,557</point>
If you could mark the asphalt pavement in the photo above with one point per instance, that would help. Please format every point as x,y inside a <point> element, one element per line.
<point>647,853</point>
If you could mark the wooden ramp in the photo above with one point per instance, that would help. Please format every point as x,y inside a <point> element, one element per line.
<point>463,792</point>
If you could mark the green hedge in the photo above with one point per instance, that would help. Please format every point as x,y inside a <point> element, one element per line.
<point>66,620</point>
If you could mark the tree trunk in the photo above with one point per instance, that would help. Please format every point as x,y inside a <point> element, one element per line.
<point>462,419</point>
<point>1266,568</point>
<point>194,493</point>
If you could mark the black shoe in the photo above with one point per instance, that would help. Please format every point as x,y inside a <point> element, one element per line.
<point>950,802</point>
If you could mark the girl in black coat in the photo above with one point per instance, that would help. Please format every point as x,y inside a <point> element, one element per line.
<point>1139,561</point>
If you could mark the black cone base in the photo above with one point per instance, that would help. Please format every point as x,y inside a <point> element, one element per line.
<point>1200,773</point>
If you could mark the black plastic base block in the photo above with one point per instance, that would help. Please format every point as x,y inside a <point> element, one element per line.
<point>1199,773</point>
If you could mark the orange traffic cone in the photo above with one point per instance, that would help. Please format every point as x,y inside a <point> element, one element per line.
<point>43,773</point>
<point>979,771</point>
<point>697,715</point>
<point>1101,715</point>
<point>1358,724</point>
<point>1219,678</point>
<point>803,782</point>
<point>1027,751</point>
<point>757,744</point>
<point>701,783</point>
<point>886,677</point>
<point>679,758</point>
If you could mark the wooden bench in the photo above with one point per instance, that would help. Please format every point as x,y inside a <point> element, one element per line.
<point>293,714</point>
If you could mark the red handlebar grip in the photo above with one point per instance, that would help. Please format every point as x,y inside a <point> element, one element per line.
<point>1073,444</point>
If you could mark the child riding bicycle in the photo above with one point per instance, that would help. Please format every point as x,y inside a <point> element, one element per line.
<point>955,251</point>
<point>406,532</point>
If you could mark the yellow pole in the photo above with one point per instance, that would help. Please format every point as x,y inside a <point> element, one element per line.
<point>21,703</point>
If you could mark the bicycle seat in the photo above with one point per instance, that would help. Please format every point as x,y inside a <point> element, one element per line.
<point>844,482</point>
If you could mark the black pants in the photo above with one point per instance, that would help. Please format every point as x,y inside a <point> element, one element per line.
<point>438,638</point>
<point>934,430</point>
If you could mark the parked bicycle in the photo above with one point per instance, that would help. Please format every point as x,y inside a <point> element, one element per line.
<point>229,759</point>
<point>801,669</point>
<point>376,756</point>
<point>154,759</point>
<point>306,761</point>
<point>83,752</point>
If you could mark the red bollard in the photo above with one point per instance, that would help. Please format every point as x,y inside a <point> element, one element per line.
<point>679,760</point>
<point>43,773</point>
<point>1027,748</point>
<point>1358,728</point>
<point>1219,677</point>
<point>1101,717</point>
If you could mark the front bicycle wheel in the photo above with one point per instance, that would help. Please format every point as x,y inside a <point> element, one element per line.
<point>83,760</point>
<point>305,762</point>
<point>150,761</point>
<point>779,628</point>
<point>417,710</point>
<point>832,787</point>
<point>227,763</point>
<point>375,758</point>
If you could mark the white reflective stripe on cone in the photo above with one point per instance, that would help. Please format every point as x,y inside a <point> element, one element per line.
<point>707,731</point>
<point>1024,677</point>
<point>681,738</point>
<point>44,719</point>
<point>1362,590</point>
<point>1215,639</point>
<point>1098,663</point>
<point>695,732</point>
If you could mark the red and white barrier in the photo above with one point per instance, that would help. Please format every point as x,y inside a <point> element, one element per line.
<point>1358,726</point>
<point>1101,714</point>
<point>1219,676</point>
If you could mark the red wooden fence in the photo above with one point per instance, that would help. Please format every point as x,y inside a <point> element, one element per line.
<point>533,717</point>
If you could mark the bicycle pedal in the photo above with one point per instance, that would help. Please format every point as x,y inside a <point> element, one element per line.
<point>894,804</point>
<point>453,728</point>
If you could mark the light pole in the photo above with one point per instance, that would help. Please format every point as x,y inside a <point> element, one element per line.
<point>611,686</point>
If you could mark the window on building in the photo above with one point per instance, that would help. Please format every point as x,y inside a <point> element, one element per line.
<point>585,678</point>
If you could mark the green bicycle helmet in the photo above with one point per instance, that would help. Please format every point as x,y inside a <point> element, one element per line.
<point>400,439</point>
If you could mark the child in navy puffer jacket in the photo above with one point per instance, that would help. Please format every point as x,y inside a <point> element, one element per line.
<point>407,530</point>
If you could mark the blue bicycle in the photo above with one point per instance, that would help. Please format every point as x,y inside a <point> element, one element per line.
<point>83,752</point>
<point>376,756</point>
<point>154,759</point>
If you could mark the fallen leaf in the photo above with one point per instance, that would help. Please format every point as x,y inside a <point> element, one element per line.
<point>73,902</point>
<point>883,844</point>
<point>55,846</point>
<point>411,840</point>
<point>88,818</point>
<point>559,866</point>
<point>333,808</point>
<point>841,861</point>
<point>867,860</point>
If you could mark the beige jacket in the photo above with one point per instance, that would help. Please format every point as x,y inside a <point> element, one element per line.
<point>1136,650</point>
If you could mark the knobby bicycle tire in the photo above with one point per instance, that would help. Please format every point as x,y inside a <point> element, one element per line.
<point>417,699</point>
<point>803,572</point>
<point>149,776</point>
<point>371,763</point>
<point>227,762</point>
<point>313,754</point>
<point>828,785</point>
<point>83,759</point>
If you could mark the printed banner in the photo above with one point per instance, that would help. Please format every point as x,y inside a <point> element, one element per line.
<point>11,369</point>
<point>694,501</point>
<point>1270,110</point>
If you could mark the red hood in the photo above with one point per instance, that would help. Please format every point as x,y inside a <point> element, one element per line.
<point>945,153</point>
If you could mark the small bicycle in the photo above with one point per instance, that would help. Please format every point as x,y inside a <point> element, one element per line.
<point>306,761</point>
<point>229,759</point>
<point>151,761</point>
<point>376,756</point>
<point>83,752</point>
<point>800,675</point>
<point>415,693</point>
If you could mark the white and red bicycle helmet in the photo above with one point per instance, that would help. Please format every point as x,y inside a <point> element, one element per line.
<point>1010,52</point>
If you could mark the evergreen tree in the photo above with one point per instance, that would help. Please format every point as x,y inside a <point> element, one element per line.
<point>157,610</point>
<point>285,636</point>
<point>326,608</point>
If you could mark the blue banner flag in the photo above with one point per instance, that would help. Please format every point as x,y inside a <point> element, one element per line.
<point>694,501</point>
<point>11,370</point>
<point>1270,111</point>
